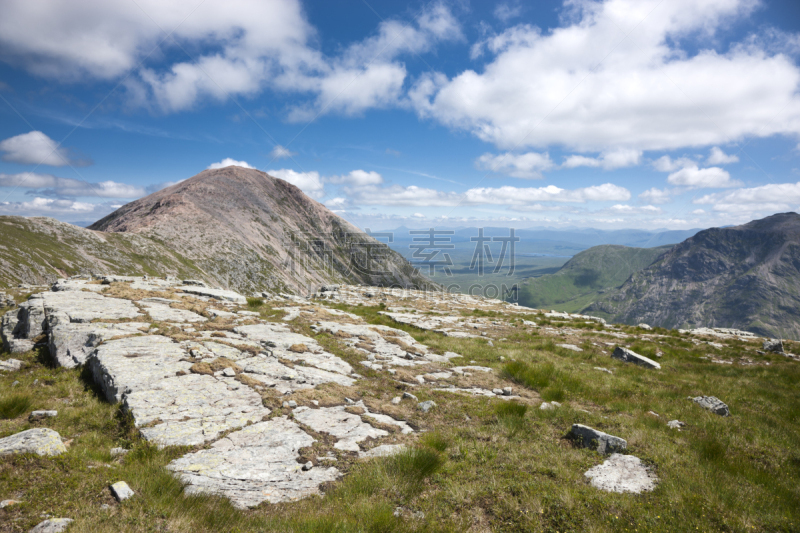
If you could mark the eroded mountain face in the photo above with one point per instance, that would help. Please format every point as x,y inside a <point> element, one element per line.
<point>233,227</point>
<point>745,277</point>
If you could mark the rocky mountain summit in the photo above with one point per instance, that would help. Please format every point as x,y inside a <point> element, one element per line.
<point>233,227</point>
<point>368,395</point>
<point>745,277</point>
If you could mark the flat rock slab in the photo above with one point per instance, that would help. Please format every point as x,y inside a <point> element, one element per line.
<point>622,473</point>
<point>127,365</point>
<point>279,339</point>
<point>384,450</point>
<point>83,307</point>
<point>193,409</point>
<point>217,294</point>
<point>713,404</point>
<point>53,525</point>
<point>287,379</point>
<point>348,428</point>
<point>121,491</point>
<point>70,344</point>
<point>41,441</point>
<point>629,356</point>
<point>592,438</point>
<point>254,465</point>
<point>162,312</point>
<point>570,347</point>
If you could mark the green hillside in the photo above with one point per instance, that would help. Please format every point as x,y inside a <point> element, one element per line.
<point>587,275</point>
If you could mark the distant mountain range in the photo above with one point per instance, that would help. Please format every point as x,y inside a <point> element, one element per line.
<point>232,227</point>
<point>745,277</point>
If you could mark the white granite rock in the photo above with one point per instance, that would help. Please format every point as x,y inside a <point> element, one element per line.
<point>622,473</point>
<point>52,525</point>
<point>160,311</point>
<point>41,441</point>
<point>217,294</point>
<point>629,356</point>
<point>70,344</point>
<point>713,404</point>
<point>10,365</point>
<point>348,428</point>
<point>121,491</point>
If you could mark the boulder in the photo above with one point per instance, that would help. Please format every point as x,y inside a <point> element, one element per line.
<point>10,365</point>
<point>622,473</point>
<point>629,356</point>
<point>645,326</point>
<point>52,525</point>
<point>592,438</point>
<point>426,406</point>
<point>713,404</point>
<point>772,345</point>
<point>41,441</point>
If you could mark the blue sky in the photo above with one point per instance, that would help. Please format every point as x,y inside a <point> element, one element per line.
<point>608,114</point>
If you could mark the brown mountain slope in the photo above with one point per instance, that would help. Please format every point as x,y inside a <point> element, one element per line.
<point>745,277</point>
<point>249,231</point>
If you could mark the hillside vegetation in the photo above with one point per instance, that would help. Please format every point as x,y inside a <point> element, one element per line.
<point>586,276</point>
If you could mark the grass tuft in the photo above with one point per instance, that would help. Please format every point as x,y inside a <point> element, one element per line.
<point>15,405</point>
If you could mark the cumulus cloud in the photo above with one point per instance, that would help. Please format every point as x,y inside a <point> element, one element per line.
<point>55,207</point>
<point>506,11</point>
<point>608,160</point>
<point>36,148</point>
<point>667,164</point>
<point>527,166</point>
<point>308,182</point>
<point>228,162</point>
<point>772,197</point>
<point>700,178</point>
<point>279,152</point>
<point>625,209</point>
<point>49,185</point>
<point>587,87</point>
<point>655,196</point>
<point>718,157</point>
<point>358,178</point>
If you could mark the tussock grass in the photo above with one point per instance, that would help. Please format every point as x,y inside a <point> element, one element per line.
<point>14,405</point>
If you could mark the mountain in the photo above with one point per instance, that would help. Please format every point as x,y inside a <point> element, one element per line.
<point>586,276</point>
<point>745,277</point>
<point>233,227</point>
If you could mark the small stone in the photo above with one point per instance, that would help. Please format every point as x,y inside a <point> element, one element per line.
<point>41,415</point>
<point>653,413</point>
<point>502,358</point>
<point>105,507</point>
<point>315,403</point>
<point>8,503</point>
<point>396,400</point>
<point>570,347</point>
<point>348,401</point>
<point>645,326</point>
<point>713,404</point>
<point>497,392</point>
<point>507,391</point>
<point>398,512</point>
<point>228,372</point>
<point>659,354</point>
<point>52,525</point>
<point>308,466</point>
<point>15,384</point>
<point>116,452</point>
<point>420,379</point>
<point>292,403</point>
<point>592,438</point>
<point>419,515</point>
<point>490,343</point>
<point>544,406</point>
<point>602,369</point>
<point>675,424</point>
<point>426,406</point>
<point>121,491</point>
<point>409,396</point>
<point>557,404</point>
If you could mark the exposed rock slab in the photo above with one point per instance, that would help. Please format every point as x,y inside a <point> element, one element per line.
<point>254,465</point>
<point>348,428</point>
<point>286,379</point>
<point>162,312</point>
<point>193,409</point>
<point>41,441</point>
<point>622,473</point>
<point>70,344</point>
<point>10,365</point>
<point>52,525</point>
<point>217,294</point>
<point>629,356</point>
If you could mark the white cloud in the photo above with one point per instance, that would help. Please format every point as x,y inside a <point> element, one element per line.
<point>699,178</point>
<point>624,209</point>
<point>655,196</point>
<point>699,212</point>
<point>49,185</point>
<point>35,148</point>
<point>228,162</point>
<point>279,152</point>
<point>255,45</point>
<point>55,207</point>
<point>505,12</point>
<point>397,195</point>
<point>308,182</point>
<point>667,164</point>
<point>718,157</point>
<point>418,215</point>
<point>526,166</point>
<point>773,197</point>
<point>358,178</point>
<point>609,160</point>
<point>589,85</point>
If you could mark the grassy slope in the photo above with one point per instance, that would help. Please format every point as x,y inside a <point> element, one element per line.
<point>481,466</point>
<point>32,250</point>
<point>579,281</point>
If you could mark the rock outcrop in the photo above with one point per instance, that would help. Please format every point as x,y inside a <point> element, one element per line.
<point>41,441</point>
